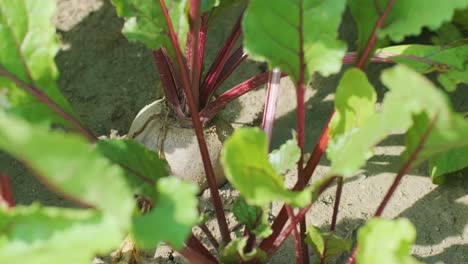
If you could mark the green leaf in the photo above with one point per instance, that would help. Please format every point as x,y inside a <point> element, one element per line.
<point>446,34</point>
<point>233,252</point>
<point>207,5</point>
<point>37,235</point>
<point>335,245</point>
<point>142,166</point>
<point>144,22</point>
<point>172,217</point>
<point>451,161</point>
<point>220,7</point>
<point>449,62</point>
<point>246,214</point>
<point>410,94</point>
<point>405,18</point>
<point>386,242</point>
<point>447,133</point>
<point>461,18</point>
<point>68,164</point>
<point>246,165</point>
<point>27,51</point>
<point>355,101</point>
<point>274,31</point>
<point>252,217</point>
<point>286,157</point>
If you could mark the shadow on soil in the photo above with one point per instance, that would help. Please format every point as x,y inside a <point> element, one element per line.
<point>106,78</point>
<point>437,217</point>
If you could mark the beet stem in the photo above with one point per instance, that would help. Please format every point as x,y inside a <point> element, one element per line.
<point>217,203</point>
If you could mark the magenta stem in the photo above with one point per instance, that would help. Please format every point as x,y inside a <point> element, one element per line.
<point>296,237</point>
<point>231,65</point>
<point>373,37</point>
<point>271,102</point>
<point>218,206</point>
<point>5,190</point>
<point>312,163</point>
<point>281,238</point>
<point>168,80</point>
<point>339,189</point>
<point>219,62</point>
<point>196,252</point>
<point>209,235</point>
<point>195,25</point>
<point>215,106</point>
<point>300,92</point>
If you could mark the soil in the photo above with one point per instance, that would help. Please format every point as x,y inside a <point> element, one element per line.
<point>108,80</point>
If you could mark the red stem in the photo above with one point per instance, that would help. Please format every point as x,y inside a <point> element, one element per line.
<point>281,238</point>
<point>373,37</point>
<point>194,244</point>
<point>252,238</point>
<point>215,106</point>
<point>42,97</point>
<point>5,191</point>
<point>218,206</point>
<point>300,163</point>
<point>168,80</point>
<point>339,189</point>
<point>196,253</point>
<point>202,44</point>
<point>312,163</point>
<point>209,235</point>
<point>296,237</point>
<point>271,102</point>
<point>300,90</point>
<point>319,150</point>
<point>218,64</point>
<point>230,66</point>
<point>336,207</point>
<point>195,24</point>
<point>402,172</point>
<point>362,62</point>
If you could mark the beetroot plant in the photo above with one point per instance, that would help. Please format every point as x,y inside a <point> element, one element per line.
<point>126,191</point>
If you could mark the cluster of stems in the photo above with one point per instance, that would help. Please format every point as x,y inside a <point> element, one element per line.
<point>190,94</point>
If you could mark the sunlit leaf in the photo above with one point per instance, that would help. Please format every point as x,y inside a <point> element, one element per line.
<point>142,166</point>
<point>68,164</point>
<point>386,242</point>
<point>286,157</point>
<point>144,22</point>
<point>173,215</point>
<point>27,49</point>
<point>246,165</point>
<point>37,235</point>
<point>335,245</point>
<point>274,31</point>
<point>410,94</point>
<point>354,103</point>
<point>448,62</point>
<point>405,18</point>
